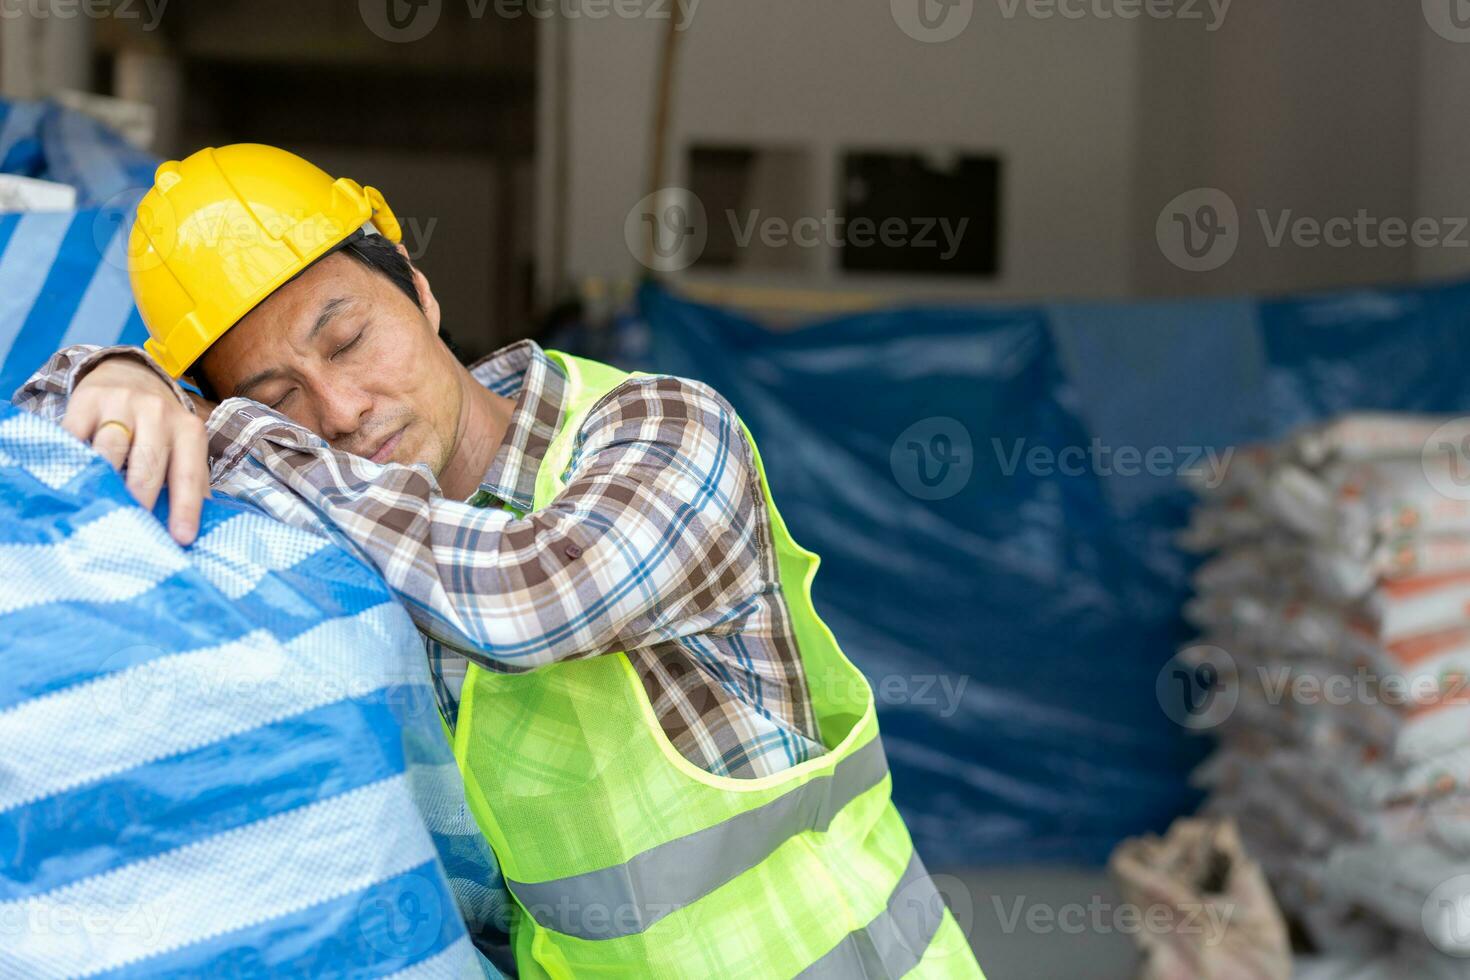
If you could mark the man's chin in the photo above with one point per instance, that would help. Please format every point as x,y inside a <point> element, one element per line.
<point>412,451</point>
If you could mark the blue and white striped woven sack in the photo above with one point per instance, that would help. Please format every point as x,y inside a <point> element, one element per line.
<point>63,275</point>
<point>223,760</point>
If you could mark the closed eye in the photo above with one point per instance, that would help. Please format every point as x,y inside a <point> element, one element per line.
<point>349,345</point>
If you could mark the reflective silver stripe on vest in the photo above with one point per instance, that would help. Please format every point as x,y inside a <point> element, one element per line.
<point>895,941</point>
<point>628,898</point>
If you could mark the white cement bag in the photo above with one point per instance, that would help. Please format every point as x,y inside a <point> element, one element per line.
<point>1222,523</point>
<point>1373,435</point>
<point>1242,473</point>
<point>1414,606</point>
<point>1420,888</point>
<point>1357,504</point>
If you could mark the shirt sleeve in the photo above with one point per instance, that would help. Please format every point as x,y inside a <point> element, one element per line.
<point>47,392</point>
<point>654,535</point>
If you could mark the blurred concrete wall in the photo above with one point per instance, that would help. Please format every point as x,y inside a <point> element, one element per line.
<point>1302,109</point>
<point>1443,145</point>
<point>1103,112</point>
<point>1058,102</point>
<point>44,46</point>
<point>1316,109</point>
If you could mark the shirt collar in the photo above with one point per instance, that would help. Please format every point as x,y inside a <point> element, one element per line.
<point>523,372</point>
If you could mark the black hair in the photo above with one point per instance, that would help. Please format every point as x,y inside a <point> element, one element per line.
<point>381,256</point>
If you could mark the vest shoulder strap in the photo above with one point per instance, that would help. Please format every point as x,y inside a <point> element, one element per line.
<point>587,382</point>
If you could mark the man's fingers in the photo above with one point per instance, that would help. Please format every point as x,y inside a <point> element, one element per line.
<point>155,441</point>
<point>148,460</point>
<point>113,442</point>
<point>188,481</point>
<point>81,418</point>
<point>147,468</point>
<point>88,417</point>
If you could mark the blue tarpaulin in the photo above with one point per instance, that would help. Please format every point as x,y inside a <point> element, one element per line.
<point>225,760</point>
<point>63,275</point>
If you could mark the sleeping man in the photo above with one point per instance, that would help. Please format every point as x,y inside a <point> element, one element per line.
<point>678,769</point>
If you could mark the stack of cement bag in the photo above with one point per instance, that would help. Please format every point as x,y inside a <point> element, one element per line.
<point>1333,613</point>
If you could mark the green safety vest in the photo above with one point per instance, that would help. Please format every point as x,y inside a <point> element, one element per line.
<point>626,859</point>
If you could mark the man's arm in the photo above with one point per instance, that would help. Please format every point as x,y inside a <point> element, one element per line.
<point>47,392</point>
<point>654,535</point>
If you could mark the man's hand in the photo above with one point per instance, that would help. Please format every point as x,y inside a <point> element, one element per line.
<point>136,423</point>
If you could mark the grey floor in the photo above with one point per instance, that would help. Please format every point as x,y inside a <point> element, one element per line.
<point>1041,923</point>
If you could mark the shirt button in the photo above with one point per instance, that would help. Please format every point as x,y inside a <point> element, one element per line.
<point>572,551</point>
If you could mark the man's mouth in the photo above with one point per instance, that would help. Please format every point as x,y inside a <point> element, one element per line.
<point>385,449</point>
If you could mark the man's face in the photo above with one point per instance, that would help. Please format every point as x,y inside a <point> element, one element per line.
<point>342,351</point>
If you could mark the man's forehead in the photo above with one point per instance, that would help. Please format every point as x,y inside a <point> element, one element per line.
<point>334,277</point>
<point>295,311</point>
<point>260,345</point>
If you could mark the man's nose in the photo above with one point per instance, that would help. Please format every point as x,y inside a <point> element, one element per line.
<point>344,408</point>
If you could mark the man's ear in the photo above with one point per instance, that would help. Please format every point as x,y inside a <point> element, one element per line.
<point>427,302</point>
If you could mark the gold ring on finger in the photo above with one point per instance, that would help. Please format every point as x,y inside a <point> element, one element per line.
<point>120,425</point>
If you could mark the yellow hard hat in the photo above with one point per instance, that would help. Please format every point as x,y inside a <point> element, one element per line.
<point>223,229</point>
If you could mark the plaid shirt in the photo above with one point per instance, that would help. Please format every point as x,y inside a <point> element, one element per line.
<point>659,546</point>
